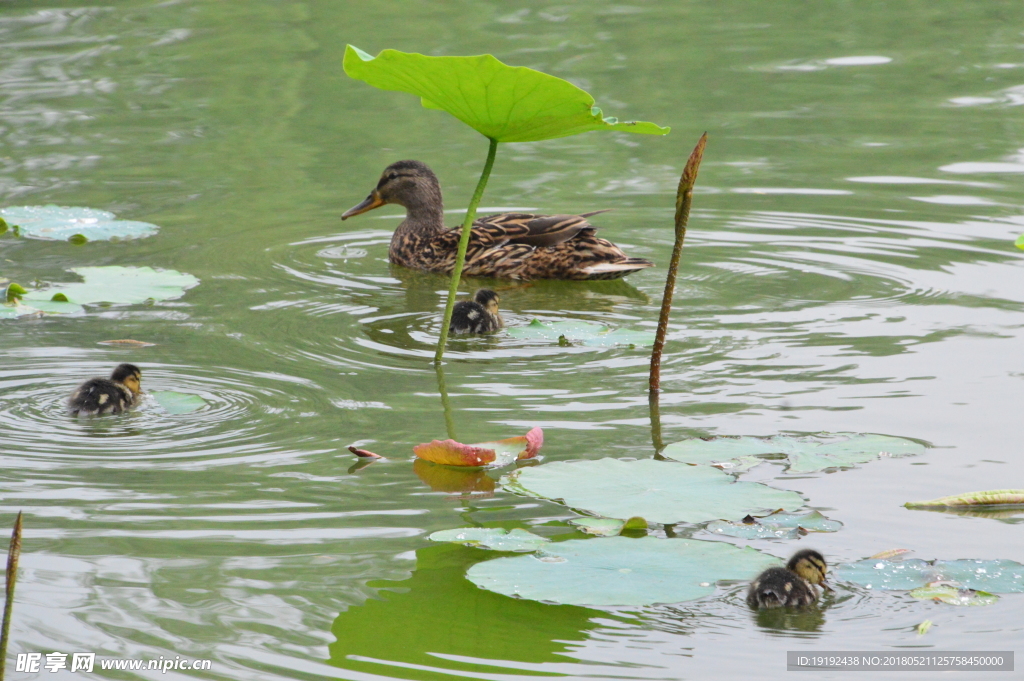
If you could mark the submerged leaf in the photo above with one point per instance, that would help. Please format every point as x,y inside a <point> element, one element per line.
<point>659,491</point>
<point>587,333</point>
<point>806,455</point>
<point>75,224</point>
<point>500,452</point>
<point>952,595</point>
<point>461,480</point>
<point>997,576</point>
<point>503,103</point>
<point>178,403</point>
<point>119,285</point>
<point>493,538</point>
<point>993,497</point>
<point>619,571</point>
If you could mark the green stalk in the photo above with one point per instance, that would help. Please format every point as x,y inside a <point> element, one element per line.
<point>13,553</point>
<point>684,197</point>
<point>460,257</point>
<point>449,420</point>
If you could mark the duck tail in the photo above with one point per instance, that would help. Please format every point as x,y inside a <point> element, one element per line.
<point>615,270</point>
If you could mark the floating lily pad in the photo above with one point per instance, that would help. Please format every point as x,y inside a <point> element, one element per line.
<point>178,403</point>
<point>493,538</point>
<point>497,453</point>
<point>659,491</point>
<point>1020,241</point>
<point>619,571</point>
<point>118,285</point>
<point>64,222</point>
<point>992,497</point>
<point>503,103</point>
<point>586,333</point>
<point>806,455</point>
<point>775,526</point>
<point>953,596</point>
<point>609,527</point>
<point>996,576</point>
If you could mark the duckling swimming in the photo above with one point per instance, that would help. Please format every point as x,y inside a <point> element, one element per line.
<point>479,315</point>
<point>792,586</point>
<point>99,396</point>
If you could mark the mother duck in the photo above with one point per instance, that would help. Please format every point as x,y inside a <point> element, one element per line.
<point>505,246</point>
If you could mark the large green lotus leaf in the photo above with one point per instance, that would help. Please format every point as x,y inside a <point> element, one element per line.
<point>806,455</point>
<point>659,491</point>
<point>995,576</point>
<point>504,103</point>
<point>63,222</point>
<point>178,403</point>
<point>619,571</point>
<point>119,285</point>
<point>775,526</point>
<point>587,333</point>
<point>493,538</point>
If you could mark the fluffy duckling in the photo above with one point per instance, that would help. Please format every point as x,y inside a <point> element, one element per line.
<point>99,396</point>
<point>479,315</point>
<point>792,586</point>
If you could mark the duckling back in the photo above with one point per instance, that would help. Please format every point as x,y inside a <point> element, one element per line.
<point>100,396</point>
<point>779,588</point>
<point>476,316</point>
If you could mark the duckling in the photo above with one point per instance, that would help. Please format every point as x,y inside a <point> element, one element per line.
<point>99,396</point>
<point>792,586</point>
<point>479,315</point>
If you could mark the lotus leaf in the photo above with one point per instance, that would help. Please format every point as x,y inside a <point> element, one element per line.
<point>993,497</point>
<point>493,538</point>
<point>953,595</point>
<point>497,453</point>
<point>63,222</point>
<point>619,571</point>
<point>609,527</point>
<point>659,491</point>
<point>775,526</point>
<point>1020,241</point>
<point>119,285</point>
<point>587,333</point>
<point>178,403</point>
<point>996,576</point>
<point>503,103</point>
<point>806,455</point>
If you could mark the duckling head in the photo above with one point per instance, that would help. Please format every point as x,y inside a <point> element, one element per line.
<point>489,299</point>
<point>129,376</point>
<point>810,565</point>
<point>407,183</point>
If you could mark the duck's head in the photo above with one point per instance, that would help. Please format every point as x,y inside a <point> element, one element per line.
<point>129,376</point>
<point>408,183</point>
<point>489,299</point>
<point>810,565</point>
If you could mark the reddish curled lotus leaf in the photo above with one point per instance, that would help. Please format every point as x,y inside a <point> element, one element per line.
<point>463,481</point>
<point>497,453</point>
<point>363,453</point>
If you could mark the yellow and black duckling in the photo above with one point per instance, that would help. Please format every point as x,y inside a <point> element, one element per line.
<point>99,396</point>
<point>792,586</point>
<point>505,246</point>
<point>477,316</point>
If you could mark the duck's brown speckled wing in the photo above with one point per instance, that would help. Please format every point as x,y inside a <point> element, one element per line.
<point>526,246</point>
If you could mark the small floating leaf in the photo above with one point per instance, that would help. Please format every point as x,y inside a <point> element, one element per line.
<point>619,571</point>
<point>75,224</point>
<point>124,341</point>
<point>806,455</point>
<point>3,226</point>
<point>78,239</point>
<point>588,333</point>
<point>364,453</point>
<point>659,491</point>
<point>120,285</point>
<point>996,576</point>
<point>953,596</point>
<point>499,452</point>
<point>923,627</point>
<point>178,403</point>
<point>503,103</point>
<point>890,553</point>
<point>493,538</point>
<point>1020,241</point>
<point>775,526</point>
<point>600,527</point>
<point>59,298</point>
<point>14,292</point>
<point>993,497</point>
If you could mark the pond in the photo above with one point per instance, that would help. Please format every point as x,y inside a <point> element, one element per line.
<point>849,268</point>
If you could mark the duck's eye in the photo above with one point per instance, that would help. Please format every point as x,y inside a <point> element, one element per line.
<point>392,176</point>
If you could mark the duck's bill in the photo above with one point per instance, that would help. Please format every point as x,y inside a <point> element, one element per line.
<point>825,586</point>
<point>369,203</point>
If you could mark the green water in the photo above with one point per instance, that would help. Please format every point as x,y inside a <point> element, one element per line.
<point>849,268</point>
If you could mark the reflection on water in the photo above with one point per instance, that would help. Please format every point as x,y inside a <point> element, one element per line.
<point>849,268</point>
